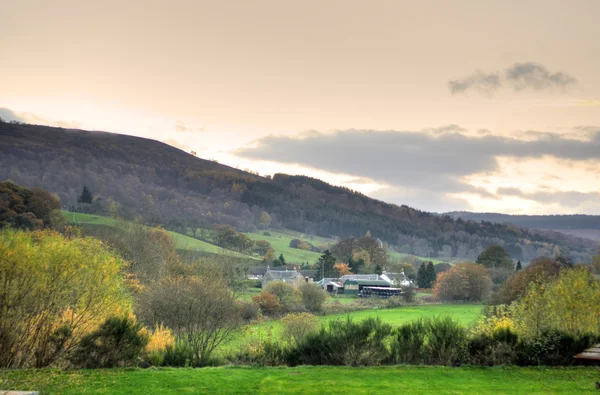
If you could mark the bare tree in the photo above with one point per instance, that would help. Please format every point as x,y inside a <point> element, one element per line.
<point>199,310</point>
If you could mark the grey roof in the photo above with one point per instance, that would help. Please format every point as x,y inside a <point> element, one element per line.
<point>309,273</point>
<point>347,277</point>
<point>282,274</point>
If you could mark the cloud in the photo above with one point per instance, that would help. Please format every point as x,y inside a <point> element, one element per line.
<point>571,199</point>
<point>519,76</point>
<point>429,163</point>
<point>478,81</point>
<point>9,115</point>
<point>180,126</point>
<point>537,77</point>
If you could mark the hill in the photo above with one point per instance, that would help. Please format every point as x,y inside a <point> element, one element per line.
<point>167,186</point>
<point>580,225</point>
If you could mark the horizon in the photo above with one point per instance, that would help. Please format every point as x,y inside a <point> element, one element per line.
<point>480,108</point>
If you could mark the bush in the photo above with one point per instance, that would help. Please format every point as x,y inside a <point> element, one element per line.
<point>297,325</point>
<point>118,342</point>
<point>464,281</point>
<point>54,291</point>
<point>287,295</point>
<point>343,343</point>
<point>313,297</point>
<point>432,341</point>
<point>267,302</point>
<point>159,340</point>
<point>248,310</point>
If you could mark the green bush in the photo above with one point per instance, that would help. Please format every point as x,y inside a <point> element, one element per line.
<point>118,342</point>
<point>343,343</point>
<point>432,341</point>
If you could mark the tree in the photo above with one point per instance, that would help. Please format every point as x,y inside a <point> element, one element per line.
<point>326,265</point>
<point>54,291</point>
<point>539,271</point>
<point>281,260</point>
<point>297,325</point>
<point>265,219</point>
<point>261,247</point>
<point>422,279</point>
<point>286,295</point>
<point>342,268</point>
<point>495,257</point>
<point>30,209</point>
<point>464,281</point>
<point>431,275</point>
<point>313,297</point>
<point>201,311</point>
<point>86,196</point>
<point>269,256</point>
<point>519,266</point>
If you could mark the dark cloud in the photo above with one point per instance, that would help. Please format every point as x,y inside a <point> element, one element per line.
<point>9,115</point>
<point>519,76</point>
<point>430,163</point>
<point>478,81</point>
<point>537,77</point>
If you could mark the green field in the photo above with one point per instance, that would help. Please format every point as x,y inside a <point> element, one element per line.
<point>464,313</point>
<point>308,380</point>
<point>279,240</point>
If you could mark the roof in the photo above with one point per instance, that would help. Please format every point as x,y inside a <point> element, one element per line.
<point>592,353</point>
<point>309,273</point>
<point>280,274</point>
<point>347,277</point>
<point>368,282</point>
<point>257,270</point>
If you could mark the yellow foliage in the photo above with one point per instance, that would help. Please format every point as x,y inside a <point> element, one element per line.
<point>501,320</point>
<point>160,339</point>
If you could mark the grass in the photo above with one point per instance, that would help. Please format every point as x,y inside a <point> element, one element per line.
<point>308,380</point>
<point>279,240</point>
<point>464,313</point>
<point>182,242</point>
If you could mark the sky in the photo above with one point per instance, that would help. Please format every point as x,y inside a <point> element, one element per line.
<point>481,105</point>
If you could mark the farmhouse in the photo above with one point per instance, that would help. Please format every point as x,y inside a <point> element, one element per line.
<point>292,277</point>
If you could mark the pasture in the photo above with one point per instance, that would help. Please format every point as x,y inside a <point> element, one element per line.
<point>307,380</point>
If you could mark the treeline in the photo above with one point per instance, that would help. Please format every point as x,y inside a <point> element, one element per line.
<point>552,222</point>
<point>167,187</point>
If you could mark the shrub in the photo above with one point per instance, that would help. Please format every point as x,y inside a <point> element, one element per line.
<point>433,341</point>
<point>54,291</point>
<point>118,342</point>
<point>344,343</point>
<point>267,302</point>
<point>159,339</point>
<point>287,295</point>
<point>297,325</point>
<point>313,297</point>
<point>248,310</point>
<point>464,281</point>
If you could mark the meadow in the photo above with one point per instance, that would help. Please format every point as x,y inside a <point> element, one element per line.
<point>307,380</point>
<point>466,314</point>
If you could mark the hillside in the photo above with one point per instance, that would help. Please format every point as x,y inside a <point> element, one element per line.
<point>179,191</point>
<point>585,226</point>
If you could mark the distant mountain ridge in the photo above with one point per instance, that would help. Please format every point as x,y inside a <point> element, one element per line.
<point>170,187</point>
<point>566,221</point>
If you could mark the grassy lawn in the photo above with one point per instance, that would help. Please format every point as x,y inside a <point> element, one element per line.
<point>307,380</point>
<point>465,314</point>
<point>281,244</point>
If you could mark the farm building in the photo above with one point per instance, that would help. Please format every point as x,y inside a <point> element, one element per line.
<point>353,287</point>
<point>292,277</point>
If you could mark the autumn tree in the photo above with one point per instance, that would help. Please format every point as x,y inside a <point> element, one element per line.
<point>464,281</point>
<point>269,256</point>
<point>342,268</point>
<point>23,208</point>
<point>539,271</point>
<point>287,295</point>
<point>265,219</point>
<point>495,257</point>
<point>261,247</point>
<point>54,291</point>
<point>313,297</point>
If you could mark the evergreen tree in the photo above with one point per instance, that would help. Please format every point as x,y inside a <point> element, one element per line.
<point>86,196</point>
<point>281,260</point>
<point>422,276</point>
<point>431,275</point>
<point>519,267</point>
<point>326,265</point>
<point>378,269</point>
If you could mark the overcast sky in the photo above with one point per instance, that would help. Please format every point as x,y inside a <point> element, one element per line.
<point>441,105</point>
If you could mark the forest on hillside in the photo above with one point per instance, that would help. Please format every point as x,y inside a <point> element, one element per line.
<point>136,177</point>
